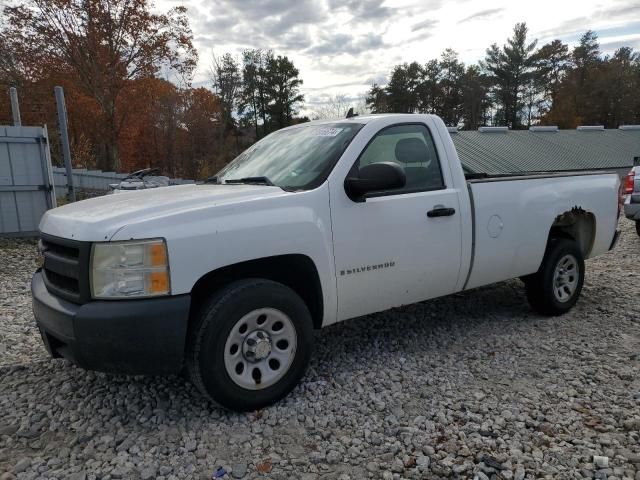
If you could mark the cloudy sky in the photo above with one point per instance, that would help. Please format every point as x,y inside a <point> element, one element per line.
<point>342,46</point>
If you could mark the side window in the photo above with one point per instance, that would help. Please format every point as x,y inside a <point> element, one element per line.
<point>411,147</point>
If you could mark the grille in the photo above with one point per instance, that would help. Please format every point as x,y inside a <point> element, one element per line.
<point>66,268</point>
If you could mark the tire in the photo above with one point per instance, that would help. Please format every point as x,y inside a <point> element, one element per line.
<point>259,324</point>
<point>638,227</point>
<point>555,288</point>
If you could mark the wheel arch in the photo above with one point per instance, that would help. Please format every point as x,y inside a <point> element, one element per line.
<point>296,271</point>
<point>575,224</point>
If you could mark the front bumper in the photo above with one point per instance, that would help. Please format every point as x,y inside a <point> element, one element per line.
<point>145,336</point>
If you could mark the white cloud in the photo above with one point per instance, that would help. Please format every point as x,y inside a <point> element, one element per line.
<point>340,46</point>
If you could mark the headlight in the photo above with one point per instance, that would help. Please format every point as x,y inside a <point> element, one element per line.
<point>136,268</point>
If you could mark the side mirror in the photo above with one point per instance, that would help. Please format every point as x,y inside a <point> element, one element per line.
<point>374,177</point>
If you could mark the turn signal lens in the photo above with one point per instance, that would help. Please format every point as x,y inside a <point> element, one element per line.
<point>158,282</point>
<point>158,254</point>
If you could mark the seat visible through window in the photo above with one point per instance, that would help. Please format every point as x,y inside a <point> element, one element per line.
<point>421,169</point>
<point>411,147</point>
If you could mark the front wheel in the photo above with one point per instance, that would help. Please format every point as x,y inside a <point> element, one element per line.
<point>250,344</point>
<point>555,288</point>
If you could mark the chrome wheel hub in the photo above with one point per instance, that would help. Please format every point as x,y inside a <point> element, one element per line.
<point>260,348</point>
<point>565,278</point>
<point>257,346</point>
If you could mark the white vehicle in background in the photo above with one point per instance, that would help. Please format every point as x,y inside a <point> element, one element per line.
<point>632,190</point>
<point>314,224</point>
<point>140,180</point>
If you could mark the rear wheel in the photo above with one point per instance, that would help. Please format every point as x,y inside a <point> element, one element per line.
<point>250,344</point>
<point>556,287</point>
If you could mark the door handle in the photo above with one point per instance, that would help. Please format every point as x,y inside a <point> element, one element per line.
<point>441,212</point>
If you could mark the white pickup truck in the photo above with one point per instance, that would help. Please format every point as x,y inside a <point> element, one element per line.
<point>314,224</point>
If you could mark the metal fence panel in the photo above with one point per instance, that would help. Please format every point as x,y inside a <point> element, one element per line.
<point>8,213</point>
<point>26,180</point>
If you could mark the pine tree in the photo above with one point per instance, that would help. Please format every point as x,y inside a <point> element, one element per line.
<point>510,69</point>
<point>283,88</point>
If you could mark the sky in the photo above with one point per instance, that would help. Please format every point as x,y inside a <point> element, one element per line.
<point>343,46</point>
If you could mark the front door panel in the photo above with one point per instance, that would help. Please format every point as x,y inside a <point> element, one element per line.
<point>388,251</point>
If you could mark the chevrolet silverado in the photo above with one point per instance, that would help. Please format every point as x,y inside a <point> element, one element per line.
<point>312,225</point>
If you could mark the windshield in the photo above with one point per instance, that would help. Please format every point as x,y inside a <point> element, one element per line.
<point>298,158</point>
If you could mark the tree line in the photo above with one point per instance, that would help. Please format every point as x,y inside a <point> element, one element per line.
<point>518,85</point>
<point>127,74</point>
<point>260,91</point>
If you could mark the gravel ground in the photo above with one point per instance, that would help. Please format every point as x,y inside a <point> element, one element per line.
<point>470,386</point>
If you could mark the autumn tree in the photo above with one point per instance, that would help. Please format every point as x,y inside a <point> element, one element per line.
<point>596,89</point>
<point>200,117</point>
<point>104,45</point>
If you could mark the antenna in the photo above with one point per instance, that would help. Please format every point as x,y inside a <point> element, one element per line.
<point>350,113</point>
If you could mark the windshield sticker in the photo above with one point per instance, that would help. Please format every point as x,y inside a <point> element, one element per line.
<point>326,132</point>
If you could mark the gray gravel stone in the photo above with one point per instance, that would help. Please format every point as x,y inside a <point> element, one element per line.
<point>148,473</point>
<point>333,457</point>
<point>432,390</point>
<point>22,465</point>
<point>239,470</point>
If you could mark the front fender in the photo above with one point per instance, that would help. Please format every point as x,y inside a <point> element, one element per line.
<point>204,240</point>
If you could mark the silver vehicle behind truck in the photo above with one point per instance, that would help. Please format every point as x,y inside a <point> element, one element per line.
<point>632,190</point>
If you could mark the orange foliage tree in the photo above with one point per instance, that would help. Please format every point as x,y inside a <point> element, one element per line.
<point>103,52</point>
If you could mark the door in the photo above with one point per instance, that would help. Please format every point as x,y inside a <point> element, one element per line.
<point>401,246</point>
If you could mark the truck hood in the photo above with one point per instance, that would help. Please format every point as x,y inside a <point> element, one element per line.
<point>98,219</point>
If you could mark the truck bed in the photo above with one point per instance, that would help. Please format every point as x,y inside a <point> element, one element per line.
<point>475,177</point>
<point>513,214</point>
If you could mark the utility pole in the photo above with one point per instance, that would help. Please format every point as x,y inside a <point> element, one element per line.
<point>15,107</point>
<point>64,138</point>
